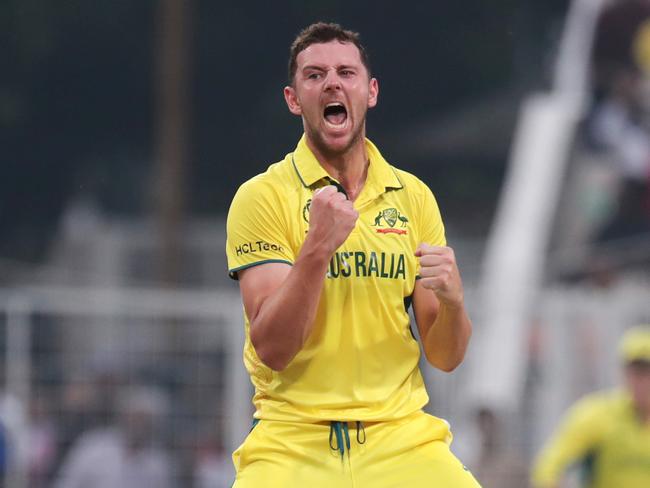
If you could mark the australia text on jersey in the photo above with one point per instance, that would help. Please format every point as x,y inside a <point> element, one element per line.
<point>365,264</point>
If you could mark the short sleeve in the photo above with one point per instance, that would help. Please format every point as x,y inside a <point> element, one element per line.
<point>432,230</point>
<point>256,231</point>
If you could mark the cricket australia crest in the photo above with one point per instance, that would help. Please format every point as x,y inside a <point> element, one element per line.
<point>390,217</point>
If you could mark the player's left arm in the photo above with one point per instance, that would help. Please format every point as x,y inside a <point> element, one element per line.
<point>439,307</point>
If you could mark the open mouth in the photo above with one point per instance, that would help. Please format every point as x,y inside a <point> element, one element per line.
<point>335,114</point>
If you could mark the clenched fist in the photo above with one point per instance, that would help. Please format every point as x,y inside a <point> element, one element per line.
<point>439,272</point>
<point>331,218</point>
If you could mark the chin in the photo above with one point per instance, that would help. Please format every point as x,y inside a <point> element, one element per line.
<point>339,143</point>
<point>339,147</point>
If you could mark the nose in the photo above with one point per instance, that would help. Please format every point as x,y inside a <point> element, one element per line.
<point>333,81</point>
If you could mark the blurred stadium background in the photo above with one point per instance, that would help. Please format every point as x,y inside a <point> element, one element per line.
<point>126,128</point>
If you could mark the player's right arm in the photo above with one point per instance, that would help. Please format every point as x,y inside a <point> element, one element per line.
<point>281,300</point>
<point>577,436</point>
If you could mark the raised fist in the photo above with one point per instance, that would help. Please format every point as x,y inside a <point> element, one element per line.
<point>331,218</point>
<point>439,272</point>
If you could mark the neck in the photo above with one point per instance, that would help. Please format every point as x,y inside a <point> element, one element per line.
<point>349,167</point>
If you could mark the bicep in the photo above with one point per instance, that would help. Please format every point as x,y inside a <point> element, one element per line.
<point>425,308</point>
<point>257,283</point>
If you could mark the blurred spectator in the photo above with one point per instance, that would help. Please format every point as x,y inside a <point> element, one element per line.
<point>13,420</point>
<point>497,466</point>
<point>87,401</point>
<point>632,218</point>
<point>126,454</point>
<point>621,61</point>
<point>78,405</point>
<point>3,449</point>
<point>619,128</point>
<point>617,32</point>
<point>213,465</point>
<point>607,432</point>
<point>42,442</point>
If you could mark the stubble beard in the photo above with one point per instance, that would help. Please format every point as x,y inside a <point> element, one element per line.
<point>327,151</point>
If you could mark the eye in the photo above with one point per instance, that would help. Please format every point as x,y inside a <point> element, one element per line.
<point>313,76</point>
<point>347,72</point>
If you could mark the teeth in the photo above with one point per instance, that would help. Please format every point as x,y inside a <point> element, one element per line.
<point>334,104</point>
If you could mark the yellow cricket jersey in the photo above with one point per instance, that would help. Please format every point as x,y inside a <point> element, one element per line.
<point>603,431</point>
<point>361,359</point>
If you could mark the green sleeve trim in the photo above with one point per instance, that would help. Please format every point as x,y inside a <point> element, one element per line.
<point>233,272</point>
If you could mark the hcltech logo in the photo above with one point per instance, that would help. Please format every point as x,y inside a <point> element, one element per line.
<point>253,247</point>
<point>390,217</point>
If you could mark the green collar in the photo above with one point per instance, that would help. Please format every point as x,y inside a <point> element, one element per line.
<point>381,175</point>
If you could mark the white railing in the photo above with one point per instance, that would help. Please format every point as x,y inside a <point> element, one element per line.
<point>89,323</point>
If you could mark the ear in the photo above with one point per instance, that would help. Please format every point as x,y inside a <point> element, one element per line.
<point>373,92</point>
<point>291,98</point>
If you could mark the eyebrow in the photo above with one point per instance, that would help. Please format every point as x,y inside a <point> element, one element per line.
<point>322,68</point>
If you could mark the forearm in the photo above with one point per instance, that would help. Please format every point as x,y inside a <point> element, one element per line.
<point>548,471</point>
<point>554,459</point>
<point>447,339</point>
<point>285,319</point>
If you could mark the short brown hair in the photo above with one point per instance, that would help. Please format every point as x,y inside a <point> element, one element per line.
<point>322,32</point>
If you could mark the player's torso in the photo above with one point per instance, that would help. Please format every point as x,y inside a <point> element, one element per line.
<point>623,458</point>
<point>361,350</point>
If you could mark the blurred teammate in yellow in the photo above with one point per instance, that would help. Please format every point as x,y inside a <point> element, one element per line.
<point>608,432</point>
<point>327,245</point>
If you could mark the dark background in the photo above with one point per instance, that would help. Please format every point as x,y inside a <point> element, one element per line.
<point>79,111</point>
